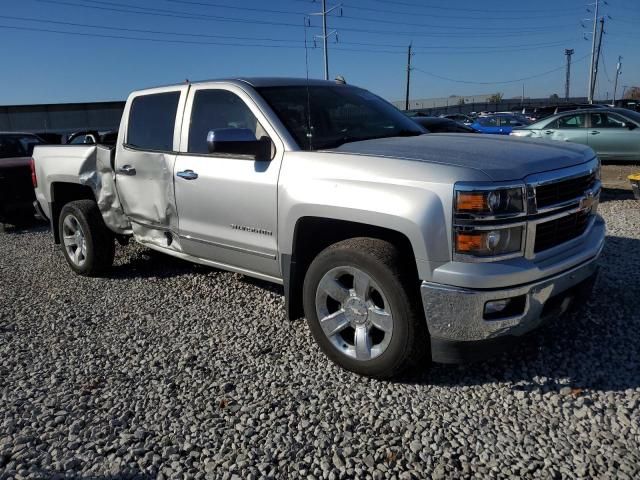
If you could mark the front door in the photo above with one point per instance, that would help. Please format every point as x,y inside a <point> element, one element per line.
<point>568,128</point>
<point>227,203</point>
<point>611,138</point>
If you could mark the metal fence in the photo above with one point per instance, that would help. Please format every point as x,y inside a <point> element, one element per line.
<point>61,118</point>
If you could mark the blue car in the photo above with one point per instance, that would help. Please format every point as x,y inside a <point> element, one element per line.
<point>499,123</point>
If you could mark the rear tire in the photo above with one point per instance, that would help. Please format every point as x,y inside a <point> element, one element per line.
<point>87,244</point>
<point>362,304</point>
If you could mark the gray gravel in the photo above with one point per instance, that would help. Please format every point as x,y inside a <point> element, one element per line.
<point>170,370</point>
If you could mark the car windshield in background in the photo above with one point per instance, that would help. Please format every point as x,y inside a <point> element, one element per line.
<point>12,146</point>
<point>320,117</point>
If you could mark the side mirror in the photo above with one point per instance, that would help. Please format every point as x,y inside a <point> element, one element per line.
<point>631,125</point>
<point>239,141</point>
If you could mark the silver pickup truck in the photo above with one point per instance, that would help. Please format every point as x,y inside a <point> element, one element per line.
<point>396,244</point>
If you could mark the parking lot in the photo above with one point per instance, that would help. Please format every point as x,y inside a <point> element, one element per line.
<point>169,370</point>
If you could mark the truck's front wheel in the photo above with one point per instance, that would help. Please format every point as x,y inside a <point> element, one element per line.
<point>360,303</point>
<point>87,244</point>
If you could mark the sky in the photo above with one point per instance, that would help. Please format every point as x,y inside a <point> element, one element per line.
<point>58,51</point>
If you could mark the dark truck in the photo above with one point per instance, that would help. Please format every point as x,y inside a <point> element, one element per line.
<point>16,187</point>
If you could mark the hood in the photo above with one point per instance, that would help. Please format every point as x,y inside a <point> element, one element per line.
<point>500,158</point>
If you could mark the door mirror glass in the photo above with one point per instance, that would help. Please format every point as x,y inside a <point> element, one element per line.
<point>239,141</point>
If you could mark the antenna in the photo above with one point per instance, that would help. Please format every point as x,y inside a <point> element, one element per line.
<point>306,66</point>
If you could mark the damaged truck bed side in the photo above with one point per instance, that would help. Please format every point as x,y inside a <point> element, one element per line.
<point>395,243</point>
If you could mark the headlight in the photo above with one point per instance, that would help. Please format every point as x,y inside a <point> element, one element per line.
<point>495,242</point>
<point>495,202</point>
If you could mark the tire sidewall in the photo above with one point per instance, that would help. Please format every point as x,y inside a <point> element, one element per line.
<point>396,352</point>
<point>71,209</point>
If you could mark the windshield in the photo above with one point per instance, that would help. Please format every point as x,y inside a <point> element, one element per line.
<point>18,145</point>
<point>338,114</point>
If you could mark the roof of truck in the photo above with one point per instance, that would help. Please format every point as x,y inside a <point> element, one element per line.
<point>258,82</point>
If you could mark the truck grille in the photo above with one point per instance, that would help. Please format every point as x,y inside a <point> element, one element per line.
<point>558,192</point>
<point>552,233</point>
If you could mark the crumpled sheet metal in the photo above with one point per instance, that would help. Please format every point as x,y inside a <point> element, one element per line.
<point>97,173</point>
<point>150,236</point>
<point>149,200</point>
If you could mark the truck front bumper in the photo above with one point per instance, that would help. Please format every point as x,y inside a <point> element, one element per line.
<point>456,316</point>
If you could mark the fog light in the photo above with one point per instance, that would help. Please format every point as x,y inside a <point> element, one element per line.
<point>496,306</point>
<point>505,308</point>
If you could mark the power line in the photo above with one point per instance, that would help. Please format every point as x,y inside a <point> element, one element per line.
<point>362,19</point>
<point>454,17</point>
<point>516,80</point>
<point>437,7</point>
<point>176,14</point>
<point>158,32</point>
<point>168,13</point>
<point>492,49</point>
<point>158,40</point>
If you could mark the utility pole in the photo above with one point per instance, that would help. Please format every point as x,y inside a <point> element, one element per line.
<point>593,51</point>
<point>624,89</point>
<point>568,52</point>
<point>406,98</point>
<point>615,83</point>
<point>597,61</point>
<point>325,36</point>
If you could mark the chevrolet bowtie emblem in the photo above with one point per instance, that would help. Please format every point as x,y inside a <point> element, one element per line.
<point>588,200</point>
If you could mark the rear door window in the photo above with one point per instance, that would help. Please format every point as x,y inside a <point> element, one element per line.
<point>152,121</point>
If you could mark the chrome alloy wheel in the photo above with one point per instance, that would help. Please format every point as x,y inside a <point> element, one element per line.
<point>354,313</point>
<point>74,240</point>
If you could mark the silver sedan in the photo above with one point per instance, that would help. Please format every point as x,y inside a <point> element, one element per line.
<point>614,133</point>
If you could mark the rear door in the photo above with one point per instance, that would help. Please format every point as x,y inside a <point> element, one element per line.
<point>567,128</point>
<point>227,203</point>
<point>610,137</point>
<point>144,160</point>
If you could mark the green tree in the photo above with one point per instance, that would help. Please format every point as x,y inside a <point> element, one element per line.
<point>495,98</point>
<point>554,97</point>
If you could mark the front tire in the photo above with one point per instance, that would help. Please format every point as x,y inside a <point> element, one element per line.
<point>360,299</point>
<point>87,244</point>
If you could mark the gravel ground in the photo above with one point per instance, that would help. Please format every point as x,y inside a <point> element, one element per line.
<point>169,370</point>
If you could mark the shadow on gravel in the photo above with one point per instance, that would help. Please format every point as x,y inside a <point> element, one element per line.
<point>120,476</point>
<point>35,226</point>
<point>152,264</point>
<point>597,347</point>
<point>608,194</point>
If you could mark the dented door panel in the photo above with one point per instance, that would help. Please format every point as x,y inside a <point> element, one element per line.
<point>144,175</point>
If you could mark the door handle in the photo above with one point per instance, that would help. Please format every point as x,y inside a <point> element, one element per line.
<point>187,174</point>
<point>127,170</point>
<point>548,132</point>
<point>595,132</point>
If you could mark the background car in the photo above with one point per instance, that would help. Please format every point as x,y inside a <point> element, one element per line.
<point>443,125</point>
<point>91,137</point>
<point>498,123</point>
<point>459,117</point>
<point>16,188</point>
<point>614,133</point>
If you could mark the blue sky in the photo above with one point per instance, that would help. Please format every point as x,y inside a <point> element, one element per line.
<point>474,43</point>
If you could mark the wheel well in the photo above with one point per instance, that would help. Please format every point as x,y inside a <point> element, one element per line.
<point>314,234</point>
<point>61,194</point>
